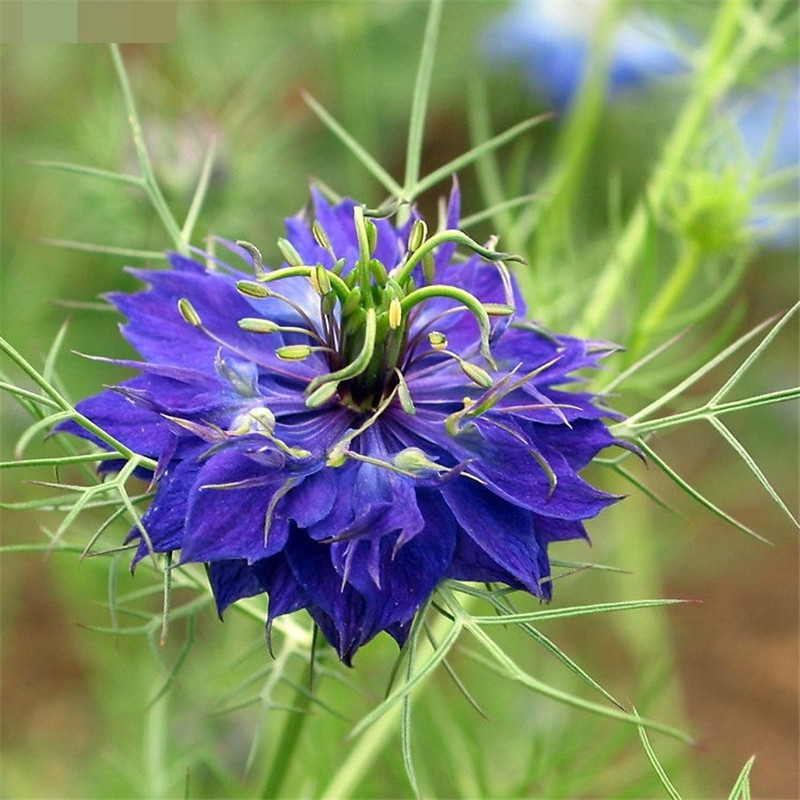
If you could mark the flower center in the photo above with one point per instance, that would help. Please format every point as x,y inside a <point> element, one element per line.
<point>365,326</point>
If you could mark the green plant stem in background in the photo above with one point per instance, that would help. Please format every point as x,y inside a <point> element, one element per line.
<point>67,410</point>
<point>362,755</point>
<point>574,146</point>
<point>372,741</point>
<point>148,176</point>
<point>648,640</point>
<point>730,48</point>
<point>286,747</point>
<point>419,102</point>
<point>156,739</point>
<point>665,301</point>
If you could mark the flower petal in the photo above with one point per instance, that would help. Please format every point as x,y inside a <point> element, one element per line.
<point>504,532</point>
<point>226,521</point>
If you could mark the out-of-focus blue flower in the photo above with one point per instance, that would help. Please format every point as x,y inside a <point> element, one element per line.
<point>346,431</point>
<point>552,40</point>
<point>766,127</point>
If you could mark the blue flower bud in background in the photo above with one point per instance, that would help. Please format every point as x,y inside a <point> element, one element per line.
<point>551,41</point>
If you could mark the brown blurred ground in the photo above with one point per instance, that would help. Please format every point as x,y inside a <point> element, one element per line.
<point>738,654</point>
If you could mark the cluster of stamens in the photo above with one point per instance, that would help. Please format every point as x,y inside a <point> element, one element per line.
<point>366,315</point>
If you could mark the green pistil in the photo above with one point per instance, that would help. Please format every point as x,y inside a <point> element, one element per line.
<point>366,235</point>
<point>461,296</point>
<point>403,272</point>
<point>358,364</point>
<point>340,288</point>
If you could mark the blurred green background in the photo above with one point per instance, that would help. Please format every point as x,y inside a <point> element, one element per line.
<point>74,700</point>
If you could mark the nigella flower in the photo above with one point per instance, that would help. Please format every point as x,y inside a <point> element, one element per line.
<point>552,39</point>
<point>348,430</point>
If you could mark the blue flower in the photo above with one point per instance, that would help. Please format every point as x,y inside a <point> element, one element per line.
<point>347,431</point>
<point>552,40</point>
<point>765,123</point>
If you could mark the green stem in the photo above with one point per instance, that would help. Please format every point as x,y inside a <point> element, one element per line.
<point>155,744</point>
<point>341,289</point>
<point>460,296</point>
<point>370,743</point>
<point>148,176</point>
<point>709,411</point>
<point>722,64</point>
<point>403,271</point>
<point>648,640</point>
<point>287,744</point>
<point>419,102</point>
<point>358,364</point>
<point>63,403</point>
<point>577,136</point>
<point>363,754</point>
<point>663,303</point>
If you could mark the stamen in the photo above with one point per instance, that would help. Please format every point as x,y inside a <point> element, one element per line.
<point>320,281</point>
<point>341,289</point>
<point>188,312</point>
<point>186,308</point>
<point>472,371</point>
<point>289,302</point>
<point>404,394</point>
<point>261,325</point>
<point>372,236</point>
<point>378,271</point>
<point>395,313</point>
<point>253,289</point>
<point>321,396</point>
<point>365,249</point>
<point>438,340</point>
<point>352,302</point>
<point>419,232</point>
<point>321,237</point>
<point>296,352</point>
<point>290,254</point>
<point>498,309</point>
<point>255,254</point>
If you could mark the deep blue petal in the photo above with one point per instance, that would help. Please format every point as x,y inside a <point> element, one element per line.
<point>235,579</point>
<point>350,616</point>
<point>142,429</point>
<point>164,520</point>
<point>504,532</point>
<point>541,480</point>
<point>579,443</point>
<point>233,522</point>
<point>155,324</point>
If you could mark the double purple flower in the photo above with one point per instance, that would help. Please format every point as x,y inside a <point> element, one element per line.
<point>347,431</point>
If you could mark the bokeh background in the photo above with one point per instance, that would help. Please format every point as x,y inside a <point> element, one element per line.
<point>74,699</point>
